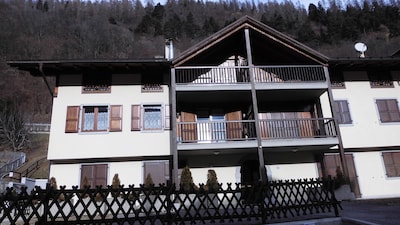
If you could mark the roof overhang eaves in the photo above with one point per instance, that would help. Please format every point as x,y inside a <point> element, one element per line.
<point>35,66</point>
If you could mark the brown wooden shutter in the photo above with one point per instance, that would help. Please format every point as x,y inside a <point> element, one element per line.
<point>234,129</point>
<point>135,121</point>
<point>72,122</point>
<point>96,175</point>
<point>167,117</point>
<point>159,171</point>
<point>332,162</point>
<point>306,125</point>
<point>189,131</point>
<point>115,118</point>
<point>263,125</point>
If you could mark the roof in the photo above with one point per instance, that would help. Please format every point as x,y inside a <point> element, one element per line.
<point>55,67</point>
<point>269,47</point>
<point>389,63</point>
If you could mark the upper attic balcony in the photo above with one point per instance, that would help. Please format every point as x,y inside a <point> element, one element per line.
<point>248,52</point>
<point>225,77</point>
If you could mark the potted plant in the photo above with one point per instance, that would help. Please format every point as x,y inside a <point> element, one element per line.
<point>116,185</point>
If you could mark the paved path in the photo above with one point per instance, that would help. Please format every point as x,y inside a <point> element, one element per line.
<point>378,211</point>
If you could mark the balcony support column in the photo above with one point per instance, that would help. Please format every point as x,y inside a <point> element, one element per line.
<point>340,146</point>
<point>262,171</point>
<point>173,145</point>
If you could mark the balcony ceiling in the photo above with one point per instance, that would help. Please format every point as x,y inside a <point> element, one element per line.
<point>227,97</point>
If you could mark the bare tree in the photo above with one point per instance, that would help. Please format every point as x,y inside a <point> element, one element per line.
<point>13,134</point>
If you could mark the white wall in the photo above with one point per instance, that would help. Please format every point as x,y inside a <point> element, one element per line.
<point>367,130</point>
<point>70,174</point>
<point>372,176</point>
<point>114,144</point>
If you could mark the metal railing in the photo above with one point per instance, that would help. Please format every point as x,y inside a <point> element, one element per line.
<point>297,128</point>
<point>38,127</point>
<point>16,159</point>
<point>215,131</point>
<point>240,74</point>
<point>220,131</point>
<point>166,204</point>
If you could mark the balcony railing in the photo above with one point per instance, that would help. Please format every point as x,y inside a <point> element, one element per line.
<point>222,131</point>
<point>236,74</point>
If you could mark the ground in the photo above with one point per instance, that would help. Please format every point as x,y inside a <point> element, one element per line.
<point>37,150</point>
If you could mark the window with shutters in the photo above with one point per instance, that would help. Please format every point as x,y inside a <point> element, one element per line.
<point>388,110</point>
<point>94,175</point>
<point>392,163</point>
<point>380,79</point>
<point>150,117</point>
<point>100,118</point>
<point>342,112</point>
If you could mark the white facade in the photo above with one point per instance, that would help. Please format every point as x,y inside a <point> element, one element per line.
<point>367,138</point>
<point>126,147</point>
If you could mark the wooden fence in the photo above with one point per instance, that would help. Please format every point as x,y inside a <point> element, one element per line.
<point>166,204</point>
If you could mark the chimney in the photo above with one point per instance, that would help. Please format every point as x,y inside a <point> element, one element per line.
<point>169,49</point>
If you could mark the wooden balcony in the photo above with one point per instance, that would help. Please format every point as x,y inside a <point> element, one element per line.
<point>243,132</point>
<point>240,76</point>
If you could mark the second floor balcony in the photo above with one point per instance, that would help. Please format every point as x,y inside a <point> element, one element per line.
<point>238,77</point>
<point>242,133</point>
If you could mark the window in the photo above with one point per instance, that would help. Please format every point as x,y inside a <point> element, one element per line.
<point>96,83</point>
<point>158,170</point>
<point>94,175</point>
<point>392,163</point>
<point>337,80</point>
<point>150,117</point>
<point>388,110</point>
<point>93,118</point>
<point>381,79</point>
<point>342,112</point>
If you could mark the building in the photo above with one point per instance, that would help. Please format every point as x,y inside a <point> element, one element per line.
<point>249,102</point>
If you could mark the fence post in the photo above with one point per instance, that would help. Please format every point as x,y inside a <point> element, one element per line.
<point>44,199</point>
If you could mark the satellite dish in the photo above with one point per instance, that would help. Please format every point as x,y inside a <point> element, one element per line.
<point>361,47</point>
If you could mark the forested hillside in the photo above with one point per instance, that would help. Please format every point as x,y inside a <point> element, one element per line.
<point>61,29</point>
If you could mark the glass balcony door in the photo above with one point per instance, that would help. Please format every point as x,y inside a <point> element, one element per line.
<point>211,129</point>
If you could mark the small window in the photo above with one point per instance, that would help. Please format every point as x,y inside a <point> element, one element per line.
<point>152,117</point>
<point>337,80</point>
<point>388,110</point>
<point>381,79</point>
<point>94,118</point>
<point>96,83</point>
<point>392,163</point>
<point>342,112</point>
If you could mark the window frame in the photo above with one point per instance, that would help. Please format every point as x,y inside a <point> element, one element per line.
<point>392,168</point>
<point>138,117</point>
<point>96,83</point>
<point>380,79</point>
<point>95,119</point>
<point>379,111</point>
<point>337,80</point>
<point>340,115</point>
<point>143,120</point>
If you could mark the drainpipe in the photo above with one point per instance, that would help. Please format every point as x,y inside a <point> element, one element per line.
<point>341,148</point>
<point>44,79</point>
<point>260,152</point>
